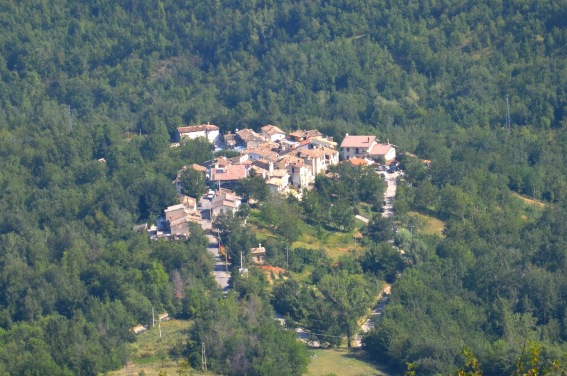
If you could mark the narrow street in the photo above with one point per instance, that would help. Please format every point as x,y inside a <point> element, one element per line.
<point>368,325</point>
<point>219,269</point>
<point>391,180</point>
<point>383,300</point>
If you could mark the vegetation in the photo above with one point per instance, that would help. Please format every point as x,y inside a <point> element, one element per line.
<point>91,94</point>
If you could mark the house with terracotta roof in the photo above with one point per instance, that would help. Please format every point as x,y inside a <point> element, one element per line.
<point>319,159</point>
<point>303,135</point>
<point>188,201</point>
<point>357,146</point>
<point>278,180</point>
<point>287,159</point>
<point>208,131</point>
<point>178,217</point>
<point>264,151</point>
<point>224,202</point>
<point>383,153</point>
<point>249,139</point>
<point>272,133</point>
<point>228,174</point>
<point>265,164</point>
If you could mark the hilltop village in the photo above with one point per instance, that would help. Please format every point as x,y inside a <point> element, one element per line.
<point>287,162</point>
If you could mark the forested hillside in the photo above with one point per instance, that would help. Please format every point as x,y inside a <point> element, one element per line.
<point>80,81</point>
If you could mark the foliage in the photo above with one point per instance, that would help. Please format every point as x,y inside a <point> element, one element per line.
<point>253,186</point>
<point>91,93</point>
<point>234,237</point>
<point>193,182</point>
<point>241,337</point>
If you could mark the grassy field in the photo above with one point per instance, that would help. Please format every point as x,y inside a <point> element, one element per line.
<point>150,356</point>
<point>429,225</point>
<point>332,241</point>
<point>150,353</point>
<point>340,362</point>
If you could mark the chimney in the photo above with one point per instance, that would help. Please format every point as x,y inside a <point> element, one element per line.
<point>259,245</point>
<point>388,141</point>
<point>368,139</point>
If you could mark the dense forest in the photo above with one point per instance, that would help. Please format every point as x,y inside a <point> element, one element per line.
<point>81,81</point>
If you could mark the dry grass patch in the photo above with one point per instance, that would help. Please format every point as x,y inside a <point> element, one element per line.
<point>529,201</point>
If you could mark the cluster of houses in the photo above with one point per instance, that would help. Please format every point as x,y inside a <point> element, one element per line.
<point>285,160</point>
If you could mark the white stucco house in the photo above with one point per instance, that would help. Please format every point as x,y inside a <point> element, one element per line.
<point>209,131</point>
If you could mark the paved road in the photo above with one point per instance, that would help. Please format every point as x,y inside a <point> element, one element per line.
<point>383,301</point>
<point>391,180</point>
<point>219,269</point>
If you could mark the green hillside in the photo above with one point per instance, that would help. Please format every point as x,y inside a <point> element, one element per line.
<point>82,81</point>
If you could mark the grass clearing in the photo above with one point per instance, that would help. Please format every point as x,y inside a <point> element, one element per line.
<point>430,225</point>
<point>334,242</point>
<point>150,353</point>
<point>529,201</point>
<point>341,362</point>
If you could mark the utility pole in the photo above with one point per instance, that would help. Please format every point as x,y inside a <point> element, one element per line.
<point>159,326</point>
<point>153,317</point>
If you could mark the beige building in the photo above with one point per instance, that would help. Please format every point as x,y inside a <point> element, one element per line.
<point>319,159</point>
<point>249,138</point>
<point>300,175</point>
<point>357,146</point>
<point>225,202</point>
<point>178,217</point>
<point>272,133</point>
<point>383,153</point>
<point>258,255</point>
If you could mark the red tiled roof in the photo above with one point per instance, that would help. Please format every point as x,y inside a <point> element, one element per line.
<point>271,130</point>
<point>230,172</point>
<point>306,133</point>
<point>358,161</point>
<point>249,135</point>
<point>358,141</point>
<point>380,149</point>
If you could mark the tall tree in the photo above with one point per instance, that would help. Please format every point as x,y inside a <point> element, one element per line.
<point>193,181</point>
<point>349,296</point>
